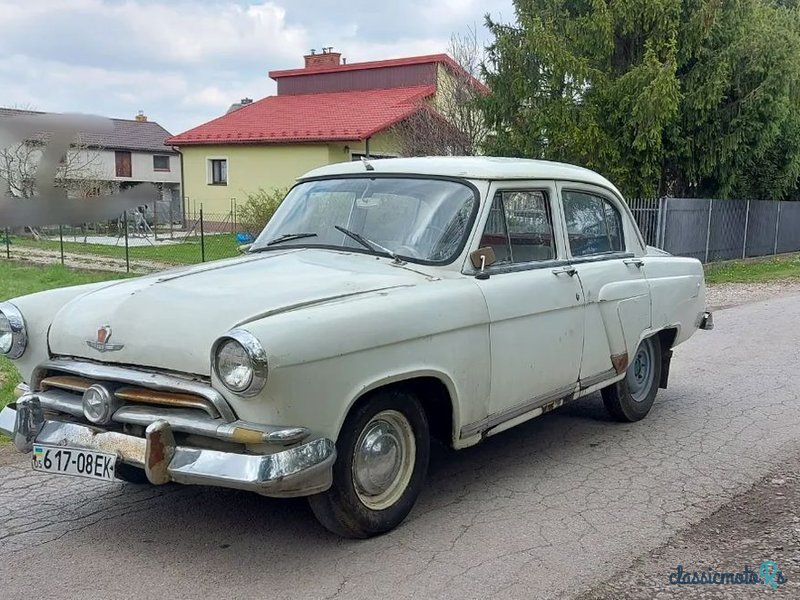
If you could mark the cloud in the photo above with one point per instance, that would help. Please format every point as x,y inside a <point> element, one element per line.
<point>185,61</point>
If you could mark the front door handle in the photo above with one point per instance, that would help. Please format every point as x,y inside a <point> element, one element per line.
<point>565,271</point>
<point>637,262</point>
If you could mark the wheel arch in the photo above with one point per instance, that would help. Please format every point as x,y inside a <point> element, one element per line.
<point>666,338</point>
<point>436,392</point>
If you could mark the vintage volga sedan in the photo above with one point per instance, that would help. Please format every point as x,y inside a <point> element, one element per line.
<point>387,303</point>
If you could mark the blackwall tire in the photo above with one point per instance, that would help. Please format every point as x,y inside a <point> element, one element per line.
<point>630,399</point>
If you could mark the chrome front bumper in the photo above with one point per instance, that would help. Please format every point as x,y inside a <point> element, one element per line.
<point>297,471</point>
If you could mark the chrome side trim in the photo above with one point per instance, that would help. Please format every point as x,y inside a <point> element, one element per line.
<point>298,471</point>
<point>513,412</point>
<point>144,378</point>
<point>588,382</point>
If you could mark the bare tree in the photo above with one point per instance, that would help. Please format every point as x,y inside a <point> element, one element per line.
<point>80,171</point>
<point>452,124</point>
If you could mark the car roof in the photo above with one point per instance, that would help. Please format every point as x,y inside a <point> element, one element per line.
<point>469,167</point>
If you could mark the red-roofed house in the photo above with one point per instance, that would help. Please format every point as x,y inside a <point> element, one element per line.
<point>326,112</point>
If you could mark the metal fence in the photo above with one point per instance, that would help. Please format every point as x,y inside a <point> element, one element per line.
<point>143,241</point>
<point>712,230</point>
<point>138,241</point>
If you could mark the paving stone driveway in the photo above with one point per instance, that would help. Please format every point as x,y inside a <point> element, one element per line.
<point>545,510</point>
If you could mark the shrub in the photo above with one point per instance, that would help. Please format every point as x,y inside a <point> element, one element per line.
<point>256,212</point>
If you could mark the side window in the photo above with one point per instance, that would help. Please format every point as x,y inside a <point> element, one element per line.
<point>594,225</point>
<point>520,228</point>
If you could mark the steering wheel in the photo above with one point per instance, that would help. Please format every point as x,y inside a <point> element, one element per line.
<point>430,236</point>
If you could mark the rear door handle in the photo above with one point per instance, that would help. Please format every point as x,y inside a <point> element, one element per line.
<point>637,262</point>
<point>565,271</point>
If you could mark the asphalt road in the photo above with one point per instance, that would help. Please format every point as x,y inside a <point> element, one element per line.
<point>549,509</point>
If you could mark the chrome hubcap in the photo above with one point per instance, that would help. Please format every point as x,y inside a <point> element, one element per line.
<point>640,371</point>
<point>383,460</point>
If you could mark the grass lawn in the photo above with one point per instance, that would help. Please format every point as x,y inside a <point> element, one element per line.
<point>754,270</point>
<point>186,252</point>
<point>17,279</point>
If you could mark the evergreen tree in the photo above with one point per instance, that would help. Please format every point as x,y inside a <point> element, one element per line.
<point>680,97</point>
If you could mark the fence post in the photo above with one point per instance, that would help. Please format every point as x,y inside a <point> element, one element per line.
<point>127,257</point>
<point>708,228</point>
<point>777,226</point>
<point>8,243</point>
<point>155,220</point>
<point>61,242</point>
<point>202,237</point>
<point>660,223</point>
<point>746,223</point>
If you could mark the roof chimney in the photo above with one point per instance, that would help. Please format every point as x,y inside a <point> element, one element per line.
<point>141,117</point>
<point>328,58</point>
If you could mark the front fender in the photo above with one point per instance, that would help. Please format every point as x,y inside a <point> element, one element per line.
<point>324,358</point>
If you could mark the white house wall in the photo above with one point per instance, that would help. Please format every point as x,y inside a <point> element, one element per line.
<point>103,164</point>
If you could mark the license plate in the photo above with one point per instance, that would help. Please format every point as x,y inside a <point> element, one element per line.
<point>74,461</point>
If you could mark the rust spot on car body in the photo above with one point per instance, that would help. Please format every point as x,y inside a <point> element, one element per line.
<point>620,362</point>
<point>159,452</point>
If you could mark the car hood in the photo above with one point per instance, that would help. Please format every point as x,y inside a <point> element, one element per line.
<point>171,319</point>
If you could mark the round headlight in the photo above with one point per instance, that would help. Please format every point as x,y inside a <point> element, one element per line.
<point>13,338</point>
<point>240,362</point>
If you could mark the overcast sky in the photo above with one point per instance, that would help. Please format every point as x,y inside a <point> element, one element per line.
<point>184,62</point>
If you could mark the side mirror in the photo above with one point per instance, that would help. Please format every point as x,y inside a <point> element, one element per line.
<point>482,258</point>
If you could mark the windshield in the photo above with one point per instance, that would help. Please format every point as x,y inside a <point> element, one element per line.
<point>424,220</point>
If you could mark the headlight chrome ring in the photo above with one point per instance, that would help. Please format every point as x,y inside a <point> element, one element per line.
<point>255,353</point>
<point>12,323</point>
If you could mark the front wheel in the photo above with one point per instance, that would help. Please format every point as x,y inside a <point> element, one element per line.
<point>632,398</point>
<point>383,452</point>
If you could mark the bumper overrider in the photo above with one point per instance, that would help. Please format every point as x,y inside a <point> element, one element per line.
<point>300,470</point>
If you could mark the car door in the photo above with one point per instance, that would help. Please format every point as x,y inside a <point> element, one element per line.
<point>535,306</point>
<point>606,251</point>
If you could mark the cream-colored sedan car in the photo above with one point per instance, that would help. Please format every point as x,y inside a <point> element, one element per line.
<point>387,303</point>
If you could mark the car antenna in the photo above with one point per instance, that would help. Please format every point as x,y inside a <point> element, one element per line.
<point>367,166</point>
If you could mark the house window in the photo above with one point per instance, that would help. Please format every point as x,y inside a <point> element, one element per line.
<point>218,171</point>
<point>160,163</point>
<point>123,163</point>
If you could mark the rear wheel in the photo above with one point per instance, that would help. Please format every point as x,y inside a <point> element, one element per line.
<point>383,452</point>
<point>632,398</point>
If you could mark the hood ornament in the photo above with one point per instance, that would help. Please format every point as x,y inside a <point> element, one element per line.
<point>102,344</point>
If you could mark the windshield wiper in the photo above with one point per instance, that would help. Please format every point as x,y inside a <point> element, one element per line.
<point>286,237</point>
<point>367,243</point>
